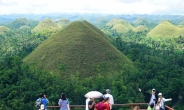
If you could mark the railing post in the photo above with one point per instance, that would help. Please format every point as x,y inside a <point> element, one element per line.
<point>131,106</point>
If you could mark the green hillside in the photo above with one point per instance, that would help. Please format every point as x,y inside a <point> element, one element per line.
<point>182,23</point>
<point>79,48</point>
<point>120,25</point>
<point>164,29</point>
<point>140,28</point>
<point>3,29</point>
<point>17,23</point>
<point>25,27</point>
<point>63,23</point>
<point>116,21</point>
<point>140,21</point>
<point>120,28</point>
<point>46,25</point>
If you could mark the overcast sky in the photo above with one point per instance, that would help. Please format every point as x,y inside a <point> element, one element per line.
<point>169,7</point>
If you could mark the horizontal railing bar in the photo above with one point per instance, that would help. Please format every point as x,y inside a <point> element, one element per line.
<point>129,104</point>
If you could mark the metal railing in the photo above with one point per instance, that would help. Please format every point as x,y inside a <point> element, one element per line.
<point>131,105</point>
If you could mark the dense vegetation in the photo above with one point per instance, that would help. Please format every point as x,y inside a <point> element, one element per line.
<point>159,63</point>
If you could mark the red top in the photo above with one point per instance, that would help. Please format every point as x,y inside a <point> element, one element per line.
<point>100,106</point>
<point>107,106</point>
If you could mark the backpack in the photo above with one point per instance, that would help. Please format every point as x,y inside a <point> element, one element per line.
<point>38,103</point>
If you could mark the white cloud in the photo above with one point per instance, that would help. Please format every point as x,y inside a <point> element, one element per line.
<point>93,6</point>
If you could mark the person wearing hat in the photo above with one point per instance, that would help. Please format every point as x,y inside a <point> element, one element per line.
<point>111,100</point>
<point>150,98</point>
<point>162,101</point>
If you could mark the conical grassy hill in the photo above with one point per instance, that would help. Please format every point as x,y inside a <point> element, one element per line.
<point>140,28</point>
<point>17,23</point>
<point>79,48</point>
<point>140,21</point>
<point>46,25</point>
<point>165,29</point>
<point>63,23</point>
<point>120,25</point>
<point>3,29</point>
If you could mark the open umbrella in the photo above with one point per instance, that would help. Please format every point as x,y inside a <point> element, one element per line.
<point>93,94</point>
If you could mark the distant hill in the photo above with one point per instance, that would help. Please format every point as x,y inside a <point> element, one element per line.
<point>17,23</point>
<point>165,29</point>
<point>3,29</point>
<point>25,27</point>
<point>46,25</point>
<point>79,48</point>
<point>140,21</point>
<point>63,23</point>
<point>140,28</point>
<point>121,26</point>
<point>182,23</point>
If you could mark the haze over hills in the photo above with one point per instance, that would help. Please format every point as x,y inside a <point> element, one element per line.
<point>165,30</point>
<point>46,25</point>
<point>79,48</point>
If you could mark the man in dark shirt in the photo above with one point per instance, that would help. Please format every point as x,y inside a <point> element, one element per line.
<point>91,104</point>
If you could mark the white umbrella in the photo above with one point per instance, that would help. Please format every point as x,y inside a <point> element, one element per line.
<point>93,94</point>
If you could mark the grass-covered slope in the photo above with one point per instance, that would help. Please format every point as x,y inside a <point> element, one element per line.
<point>120,25</point>
<point>17,23</point>
<point>79,48</point>
<point>63,23</point>
<point>165,29</point>
<point>46,25</point>
<point>3,29</point>
<point>140,28</point>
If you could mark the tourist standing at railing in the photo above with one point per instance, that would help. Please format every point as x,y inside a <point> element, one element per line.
<point>63,102</point>
<point>91,104</point>
<point>150,97</point>
<point>107,103</point>
<point>100,105</point>
<point>151,107</point>
<point>45,101</point>
<point>162,100</point>
<point>87,100</point>
<point>110,97</point>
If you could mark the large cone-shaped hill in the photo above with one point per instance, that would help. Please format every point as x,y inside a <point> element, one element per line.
<point>165,29</point>
<point>46,25</point>
<point>79,48</point>
<point>120,25</point>
<point>4,29</point>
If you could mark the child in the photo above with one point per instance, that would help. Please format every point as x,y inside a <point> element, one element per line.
<point>151,107</point>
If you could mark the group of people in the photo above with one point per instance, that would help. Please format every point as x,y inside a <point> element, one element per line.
<point>105,102</point>
<point>155,102</point>
<point>42,101</point>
